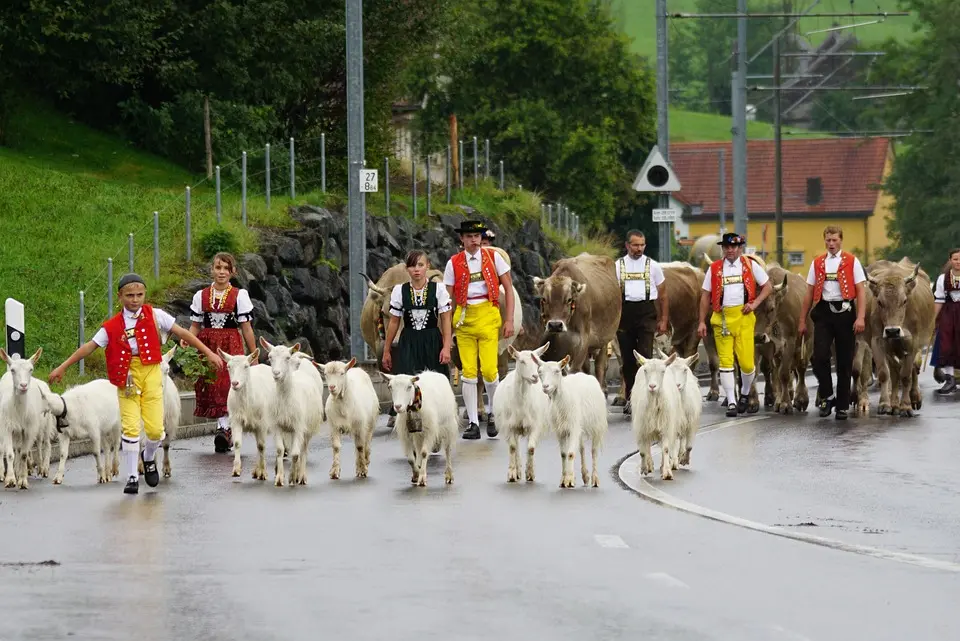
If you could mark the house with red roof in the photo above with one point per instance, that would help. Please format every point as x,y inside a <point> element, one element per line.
<point>826,181</point>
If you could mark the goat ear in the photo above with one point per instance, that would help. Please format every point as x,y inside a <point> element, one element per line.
<point>565,361</point>
<point>672,358</point>
<point>295,348</point>
<point>640,359</point>
<point>353,361</point>
<point>265,345</point>
<point>36,355</point>
<point>693,359</point>
<point>540,350</point>
<point>254,356</point>
<point>512,350</point>
<point>169,355</point>
<point>4,356</point>
<point>386,377</point>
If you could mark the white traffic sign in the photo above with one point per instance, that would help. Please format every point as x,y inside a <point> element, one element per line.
<point>16,341</point>
<point>369,180</point>
<point>665,215</point>
<point>656,175</point>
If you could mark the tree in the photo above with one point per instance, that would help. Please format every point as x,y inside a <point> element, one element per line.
<point>554,86</point>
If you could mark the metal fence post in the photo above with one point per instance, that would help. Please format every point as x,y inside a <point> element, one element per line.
<point>156,245</point>
<point>449,177</point>
<point>109,287</point>
<point>323,163</point>
<point>267,161</point>
<point>130,252</point>
<point>413,165</point>
<point>189,242</point>
<point>386,183</point>
<point>550,214</point>
<point>460,166</point>
<point>219,205</point>
<point>486,158</point>
<point>243,188</point>
<point>293,176</point>
<point>81,339</point>
<point>429,189</point>
<point>501,175</point>
<point>475,162</point>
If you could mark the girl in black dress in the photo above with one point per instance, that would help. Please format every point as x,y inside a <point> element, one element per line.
<point>425,308</point>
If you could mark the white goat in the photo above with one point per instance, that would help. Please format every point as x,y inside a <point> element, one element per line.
<point>22,410</point>
<point>426,416</point>
<point>691,405</point>
<point>298,410</point>
<point>251,404</point>
<point>352,408</point>
<point>578,410</point>
<point>521,408</point>
<point>657,413</point>
<point>90,410</point>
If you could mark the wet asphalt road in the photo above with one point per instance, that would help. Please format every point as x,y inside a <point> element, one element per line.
<point>206,556</point>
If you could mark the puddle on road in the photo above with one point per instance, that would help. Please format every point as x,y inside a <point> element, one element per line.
<point>840,524</point>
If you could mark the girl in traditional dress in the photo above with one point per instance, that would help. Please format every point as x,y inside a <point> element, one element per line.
<point>947,297</point>
<point>219,314</point>
<point>425,309</point>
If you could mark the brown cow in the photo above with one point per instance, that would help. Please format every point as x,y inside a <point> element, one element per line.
<point>579,314</point>
<point>899,325</point>
<point>682,282</point>
<point>783,353</point>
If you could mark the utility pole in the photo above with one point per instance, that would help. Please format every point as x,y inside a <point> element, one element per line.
<point>778,154</point>
<point>739,88</point>
<point>663,120</point>
<point>355,199</point>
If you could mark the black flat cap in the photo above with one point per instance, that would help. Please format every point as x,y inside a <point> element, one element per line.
<point>126,279</point>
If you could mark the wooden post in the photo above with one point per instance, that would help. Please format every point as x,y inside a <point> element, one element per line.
<point>206,135</point>
<point>455,149</point>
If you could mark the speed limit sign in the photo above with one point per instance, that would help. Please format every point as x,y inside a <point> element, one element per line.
<point>368,180</point>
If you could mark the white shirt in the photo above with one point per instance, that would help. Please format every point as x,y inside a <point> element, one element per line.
<point>635,287</point>
<point>940,293</point>
<point>831,287</point>
<point>477,289</point>
<point>396,299</point>
<point>732,275</point>
<point>162,318</point>
<point>243,311</point>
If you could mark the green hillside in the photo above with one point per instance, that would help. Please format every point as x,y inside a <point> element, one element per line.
<point>638,18</point>
<point>690,126</point>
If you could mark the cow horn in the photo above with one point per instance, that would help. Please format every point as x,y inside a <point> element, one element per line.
<point>778,288</point>
<point>379,291</point>
<point>912,278</point>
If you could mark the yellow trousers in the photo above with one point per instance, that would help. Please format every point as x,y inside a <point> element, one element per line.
<point>146,402</point>
<point>480,333</point>
<point>740,341</point>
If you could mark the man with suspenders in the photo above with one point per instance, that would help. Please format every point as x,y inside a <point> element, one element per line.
<point>641,287</point>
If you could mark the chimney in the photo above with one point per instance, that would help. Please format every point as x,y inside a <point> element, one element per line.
<point>814,191</point>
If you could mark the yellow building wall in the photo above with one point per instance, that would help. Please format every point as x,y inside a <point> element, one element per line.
<point>877,224</point>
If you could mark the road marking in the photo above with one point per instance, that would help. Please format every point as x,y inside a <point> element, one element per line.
<point>666,579</point>
<point>609,541</point>
<point>628,474</point>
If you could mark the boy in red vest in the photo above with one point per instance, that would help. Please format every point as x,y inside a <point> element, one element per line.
<point>835,286</point>
<point>730,290</point>
<point>473,278</point>
<point>134,352</point>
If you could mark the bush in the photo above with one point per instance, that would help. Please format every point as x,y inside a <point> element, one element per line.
<point>219,240</point>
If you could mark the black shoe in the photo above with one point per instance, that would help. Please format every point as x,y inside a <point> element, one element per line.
<point>732,410</point>
<point>826,406</point>
<point>841,415</point>
<point>472,432</point>
<point>491,426</point>
<point>222,440</point>
<point>949,386</point>
<point>132,486</point>
<point>627,410</point>
<point>742,404</point>
<point>150,474</point>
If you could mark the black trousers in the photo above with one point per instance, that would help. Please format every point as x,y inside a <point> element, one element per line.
<point>638,324</point>
<point>833,329</point>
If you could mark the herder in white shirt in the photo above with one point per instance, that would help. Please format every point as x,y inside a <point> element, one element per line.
<point>730,290</point>
<point>835,286</point>
<point>641,287</point>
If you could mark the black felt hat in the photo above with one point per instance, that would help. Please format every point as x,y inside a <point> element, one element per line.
<point>732,239</point>
<point>127,279</point>
<point>472,227</point>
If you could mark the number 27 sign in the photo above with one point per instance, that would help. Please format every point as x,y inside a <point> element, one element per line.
<point>368,180</point>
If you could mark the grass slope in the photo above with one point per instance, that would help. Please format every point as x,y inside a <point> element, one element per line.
<point>690,126</point>
<point>639,20</point>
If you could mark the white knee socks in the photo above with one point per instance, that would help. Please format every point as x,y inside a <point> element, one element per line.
<point>150,450</point>
<point>469,389</point>
<point>948,370</point>
<point>491,388</point>
<point>130,450</point>
<point>728,383</point>
<point>223,422</point>
<point>747,381</point>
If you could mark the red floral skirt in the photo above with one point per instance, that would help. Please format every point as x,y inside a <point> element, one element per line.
<point>212,397</point>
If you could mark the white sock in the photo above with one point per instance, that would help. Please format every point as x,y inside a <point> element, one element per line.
<point>747,381</point>
<point>150,450</point>
<point>491,389</point>
<point>469,389</point>
<point>948,370</point>
<point>728,383</point>
<point>223,422</point>
<point>130,450</point>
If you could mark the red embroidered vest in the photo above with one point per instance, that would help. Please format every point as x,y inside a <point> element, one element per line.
<point>848,290</point>
<point>461,276</point>
<point>118,352</point>
<point>229,304</point>
<point>716,282</point>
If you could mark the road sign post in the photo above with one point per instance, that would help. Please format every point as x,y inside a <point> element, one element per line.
<point>16,339</point>
<point>369,180</point>
<point>657,176</point>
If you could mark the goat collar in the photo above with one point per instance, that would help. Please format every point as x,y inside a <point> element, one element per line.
<point>62,418</point>
<point>417,400</point>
